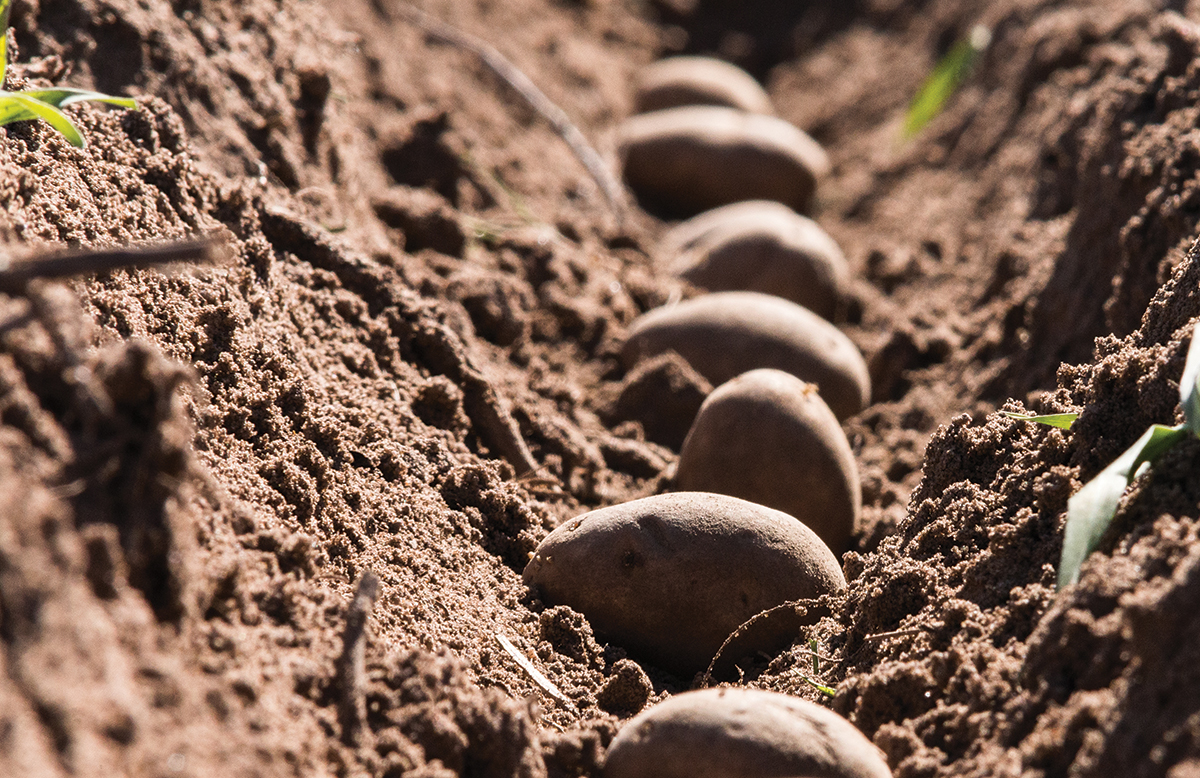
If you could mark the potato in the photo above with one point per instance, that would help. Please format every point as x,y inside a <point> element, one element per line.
<point>677,81</point>
<point>768,437</point>
<point>690,159</point>
<point>670,577</point>
<point>741,733</point>
<point>760,246</point>
<point>725,334</point>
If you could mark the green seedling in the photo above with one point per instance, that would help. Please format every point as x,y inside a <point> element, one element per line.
<point>1090,511</point>
<point>827,691</point>
<point>814,650</point>
<point>947,76</point>
<point>1061,420</point>
<point>44,104</point>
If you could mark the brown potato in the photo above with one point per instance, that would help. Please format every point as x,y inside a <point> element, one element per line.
<point>768,437</point>
<point>760,246</point>
<point>725,334</point>
<point>677,81</point>
<point>693,158</point>
<point>741,733</point>
<point>669,577</point>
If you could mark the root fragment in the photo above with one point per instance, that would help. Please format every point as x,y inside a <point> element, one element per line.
<point>351,665</point>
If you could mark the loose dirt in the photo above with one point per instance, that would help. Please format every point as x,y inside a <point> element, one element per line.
<point>407,363</point>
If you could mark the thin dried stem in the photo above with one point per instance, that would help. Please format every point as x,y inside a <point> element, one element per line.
<point>535,675</point>
<point>16,276</point>
<point>536,99</point>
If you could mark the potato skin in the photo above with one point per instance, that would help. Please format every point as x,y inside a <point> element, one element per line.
<point>669,577</point>
<point>690,159</point>
<point>768,437</point>
<point>741,733</point>
<point>679,81</point>
<point>760,246</point>
<point>725,334</point>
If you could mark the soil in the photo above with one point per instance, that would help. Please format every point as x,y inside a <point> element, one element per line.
<point>405,366</point>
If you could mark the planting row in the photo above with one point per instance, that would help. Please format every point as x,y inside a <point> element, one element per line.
<point>769,494</point>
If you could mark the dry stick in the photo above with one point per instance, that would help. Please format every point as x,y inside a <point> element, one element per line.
<point>535,675</point>
<point>351,665</point>
<point>897,633</point>
<point>537,100</point>
<point>17,275</point>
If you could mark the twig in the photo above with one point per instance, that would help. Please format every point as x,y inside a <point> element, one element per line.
<point>536,99</point>
<point>15,277</point>
<point>535,675</point>
<point>896,633</point>
<point>351,665</point>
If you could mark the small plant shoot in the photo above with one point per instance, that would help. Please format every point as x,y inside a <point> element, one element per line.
<point>1090,511</point>
<point>947,76</point>
<point>44,104</point>
<point>1061,420</point>
<point>826,690</point>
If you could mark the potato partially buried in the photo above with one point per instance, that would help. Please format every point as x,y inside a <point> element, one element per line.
<point>768,437</point>
<point>678,81</point>
<point>690,159</point>
<point>760,246</point>
<point>725,334</point>
<point>741,733</point>
<point>670,577</point>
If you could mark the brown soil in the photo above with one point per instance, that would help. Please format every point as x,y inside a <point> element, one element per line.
<point>407,365</point>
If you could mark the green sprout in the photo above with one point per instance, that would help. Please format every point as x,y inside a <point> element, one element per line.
<point>1091,510</point>
<point>947,76</point>
<point>44,103</point>
<point>826,690</point>
<point>1061,420</point>
<point>814,650</point>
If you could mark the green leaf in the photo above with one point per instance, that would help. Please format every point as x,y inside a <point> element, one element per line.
<point>45,104</point>
<point>945,79</point>
<point>827,691</point>
<point>5,7</point>
<point>63,96</point>
<point>13,110</point>
<point>1189,385</point>
<point>15,106</point>
<point>1091,510</point>
<point>1061,420</point>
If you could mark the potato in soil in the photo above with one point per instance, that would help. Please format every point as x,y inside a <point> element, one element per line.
<point>768,437</point>
<point>679,81</point>
<point>725,334</point>
<point>669,577</point>
<point>760,246</point>
<point>741,733</point>
<point>690,159</point>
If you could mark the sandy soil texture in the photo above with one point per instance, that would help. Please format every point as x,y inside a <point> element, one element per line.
<point>405,365</point>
